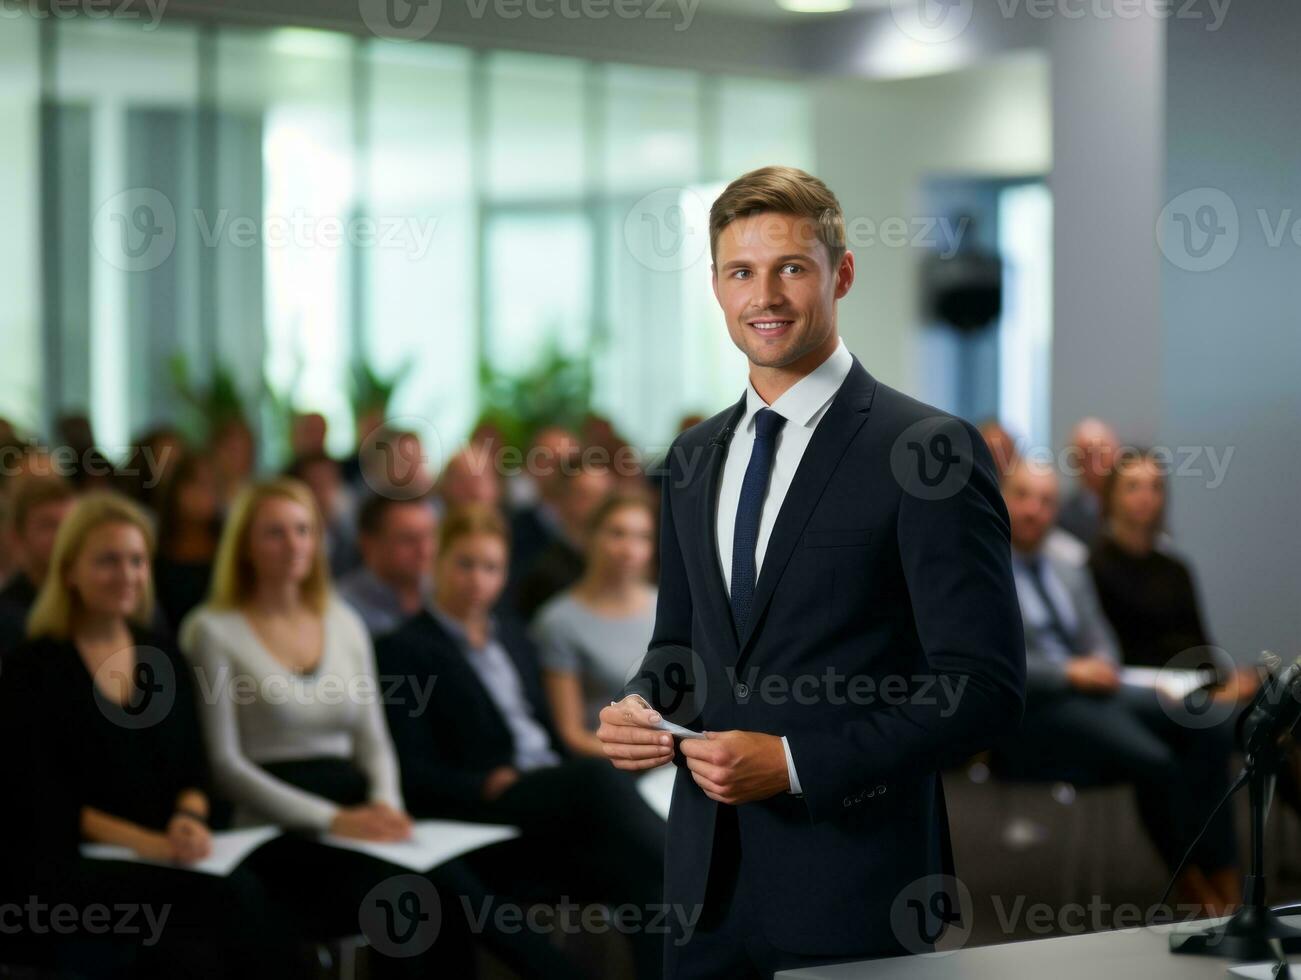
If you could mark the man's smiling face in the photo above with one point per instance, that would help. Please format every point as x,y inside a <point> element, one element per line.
<point>774,280</point>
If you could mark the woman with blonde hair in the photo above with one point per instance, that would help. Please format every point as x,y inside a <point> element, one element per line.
<point>112,755</point>
<point>296,730</point>
<point>591,636</point>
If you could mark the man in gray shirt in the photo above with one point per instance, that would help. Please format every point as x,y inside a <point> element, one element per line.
<point>1082,722</point>
<point>397,540</point>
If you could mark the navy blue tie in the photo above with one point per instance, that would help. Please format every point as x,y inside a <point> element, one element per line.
<point>767,424</point>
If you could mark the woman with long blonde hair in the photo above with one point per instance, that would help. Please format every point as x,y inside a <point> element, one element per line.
<point>114,756</point>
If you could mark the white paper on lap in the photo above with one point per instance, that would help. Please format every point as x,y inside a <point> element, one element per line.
<point>432,842</point>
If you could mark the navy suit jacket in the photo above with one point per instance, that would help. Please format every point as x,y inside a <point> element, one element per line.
<point>887,571</point>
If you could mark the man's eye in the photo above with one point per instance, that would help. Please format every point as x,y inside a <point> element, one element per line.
<point>792,268</point>
<point>740,273</point>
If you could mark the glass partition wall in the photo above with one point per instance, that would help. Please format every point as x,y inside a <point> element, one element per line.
<point>277,207</point>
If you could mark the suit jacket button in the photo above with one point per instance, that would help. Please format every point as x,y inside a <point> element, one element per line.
<point>848,801</point>
<point>871,793</point>
<point>742,691</point>
<point>881,790</point>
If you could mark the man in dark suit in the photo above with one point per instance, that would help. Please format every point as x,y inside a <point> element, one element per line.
<point>835,556</point>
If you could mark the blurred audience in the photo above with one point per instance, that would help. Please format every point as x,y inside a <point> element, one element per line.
<point>470,477</point>
<point>397,540</point>
<point>148,466</point>
<point>335,501</point>
<point>38,505</point>
<point>560,529</point>
<point>234,453</point>
<point>394,464</point>
<point>307,434</point>
<point>1083,722</point>
<point>189,527</point>
<point>113,756</point>
<point>310,762</point>
<point>591,637</point>
<point>1148,594</point>
<point>1001,443</point>
<point>475,741</point>
<point>532,493</point>
<point>1091,452</point>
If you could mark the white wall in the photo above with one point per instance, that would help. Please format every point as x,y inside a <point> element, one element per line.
<point>1232,331</point>
<point>1108,82</point>
<point>876,141</point>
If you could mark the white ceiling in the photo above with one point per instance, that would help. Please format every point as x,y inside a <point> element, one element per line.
<point>769,10</point>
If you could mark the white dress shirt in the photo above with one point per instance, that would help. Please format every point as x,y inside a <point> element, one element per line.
<point>802,405</point>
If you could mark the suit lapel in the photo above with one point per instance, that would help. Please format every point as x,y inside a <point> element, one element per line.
<point>835,431</point>
<point>704,510</point>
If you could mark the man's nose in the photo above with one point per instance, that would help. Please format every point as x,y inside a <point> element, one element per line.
<point>768,291</point>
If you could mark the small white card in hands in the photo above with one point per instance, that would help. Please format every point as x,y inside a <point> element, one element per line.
<point>673,729</point>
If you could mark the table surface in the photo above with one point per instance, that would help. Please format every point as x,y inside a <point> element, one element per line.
<point>1142,954</point>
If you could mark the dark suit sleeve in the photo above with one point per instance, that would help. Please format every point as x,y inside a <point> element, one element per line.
<point>955,555</point>
<point>673,612</point>
<point>673,606</point>
<point>431,784</point>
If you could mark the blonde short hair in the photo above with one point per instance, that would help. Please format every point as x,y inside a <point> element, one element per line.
<point>468,519</point>
<point>232,574</point>
<point>780,190</point>
<point>56,604</point>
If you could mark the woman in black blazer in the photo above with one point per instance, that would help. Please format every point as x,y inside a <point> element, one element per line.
<point>105,710</point>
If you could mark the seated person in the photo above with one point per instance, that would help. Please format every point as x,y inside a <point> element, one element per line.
<point>560,562</point>
<point>324,476</point>
<point>277,649</point>
<point>592,636</point>
<point>189,525</point>
<point>1147,593</point>
<point>530,496</point>
<point>475,742</point>
<point>396,538</point>
<point>1080,717</point>
<point>37,506</point>
<point>113,755</point>
<point>1093,447</point>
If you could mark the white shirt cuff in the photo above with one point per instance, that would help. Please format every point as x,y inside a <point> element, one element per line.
<point>795,789</point>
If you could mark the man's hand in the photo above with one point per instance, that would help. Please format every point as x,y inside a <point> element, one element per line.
<point>629,736</point>
<point>1093,675</point>
<point>737,767</point>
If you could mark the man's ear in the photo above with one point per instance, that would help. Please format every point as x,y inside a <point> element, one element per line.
<point>713,280</point>
<point>845,274</point>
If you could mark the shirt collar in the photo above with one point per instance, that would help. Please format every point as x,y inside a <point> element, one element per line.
<point>454,626</point>
<point>802,401</point>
